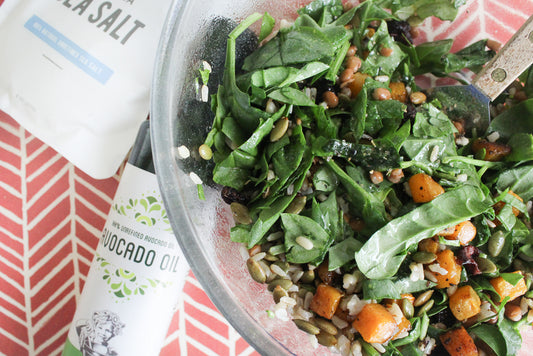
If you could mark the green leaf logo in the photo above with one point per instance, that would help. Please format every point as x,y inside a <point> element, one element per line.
<point>124,284</point>
<point>146,209</point>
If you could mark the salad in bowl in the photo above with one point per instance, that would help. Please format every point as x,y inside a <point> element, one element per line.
<point>379,224</point>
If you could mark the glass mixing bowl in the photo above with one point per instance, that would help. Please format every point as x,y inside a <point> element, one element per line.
<point>196,31</point>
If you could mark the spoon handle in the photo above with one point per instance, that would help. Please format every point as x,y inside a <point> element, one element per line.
<point>511,61</point>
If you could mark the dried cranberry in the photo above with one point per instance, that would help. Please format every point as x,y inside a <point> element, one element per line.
<point>230,195</point>
<point>400,31</point>
<point>466,256</point>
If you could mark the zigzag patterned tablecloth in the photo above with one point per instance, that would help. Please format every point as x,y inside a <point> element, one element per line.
<point>51,215</point>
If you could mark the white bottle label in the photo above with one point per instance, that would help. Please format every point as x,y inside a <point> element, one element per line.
<point>135,279</point>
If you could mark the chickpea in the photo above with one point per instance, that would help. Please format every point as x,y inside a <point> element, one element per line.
<point>414,32</point>
<point>494,45</point>
<point>376,177</point>
<point>354,63</point>
<point>381,94</point>
<point>351,51</point>
<point>418,98</point>
<point>386,51</point>
<point>459,125</point>
<point>395,176</point>
<point>346,75</point>
<point>513,312</point>
<point>331,99</point>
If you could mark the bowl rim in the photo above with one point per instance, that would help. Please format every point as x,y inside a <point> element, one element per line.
<point>160,130</point>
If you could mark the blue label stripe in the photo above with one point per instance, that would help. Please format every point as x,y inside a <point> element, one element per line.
<point>68,49</point>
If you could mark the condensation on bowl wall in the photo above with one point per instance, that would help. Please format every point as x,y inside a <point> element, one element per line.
<point>196,31</point>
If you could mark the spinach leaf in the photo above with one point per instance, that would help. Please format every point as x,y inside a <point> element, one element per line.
<point>519,180</point>
<point>388,288</point>
<point>296,45</point>
<point>511,335</point>
<point>375,63</point>
<point>512,278</point>
<point>324,180</point>
<point>432,122</point>
<point>371,208</point>
<point>266,26</point>
<point>328,215</point>
<point>283,76</point>
<point>516,119</point>
<point>490,335</point>
<point>296,226</point>
<point>292,96</point>
<point>236,169</point>
<point>521,147</point>
<point>343,253</point>
<point>381,256</point>
<point>435,57</point>
<point>381,156</point>
<point>421,9</point>
<point>233,99</point>
<point>323,11</point>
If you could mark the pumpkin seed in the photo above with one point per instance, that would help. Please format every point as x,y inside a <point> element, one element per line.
<point>496,242</point>
<point>308,277</point>
<point>326,325</point>
<point>425,308</point>
<point>205,152</point>
<point>270,257</point>
<point>256,271</point>
<point>423,298</point>
<point>279,293</point>
<point>485,265</point>
<point>424,257</point>
<point>279,129</point>
<point>284,283</point>
<point>276,249</point>
<point>407,307</point>
<point>326,339</point>
<point>241,215</point>
<point>306,326</point>
<point>297,205</point>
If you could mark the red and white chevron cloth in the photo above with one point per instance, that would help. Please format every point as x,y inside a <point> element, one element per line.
<point>51,215</point>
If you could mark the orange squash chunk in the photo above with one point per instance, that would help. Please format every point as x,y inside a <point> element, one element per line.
<point>356,85</point>
<point>325,301</point>
<point>424,188</point>
<point>446,259</point>
<point>464,232</point>
<point>459,343</point>
<point>506,289</point>
<point>375,323</point>
<point>398,91</point>
<point>465,303</point>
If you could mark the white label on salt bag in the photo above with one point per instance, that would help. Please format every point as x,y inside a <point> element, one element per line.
<point>77,74</point>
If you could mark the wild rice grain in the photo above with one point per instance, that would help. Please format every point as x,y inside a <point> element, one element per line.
<point>304,242</point>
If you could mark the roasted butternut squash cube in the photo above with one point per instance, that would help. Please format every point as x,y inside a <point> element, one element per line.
<point>423,188</point>
<point>375,323</point>
<point>325,301</point>
<point>464,232</point>
<point>459,343</point>
<point>446,260</point>
<point>465,303</point>
<point>506,289</point>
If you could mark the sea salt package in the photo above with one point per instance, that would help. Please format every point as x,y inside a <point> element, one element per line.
<point>77,74</point>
